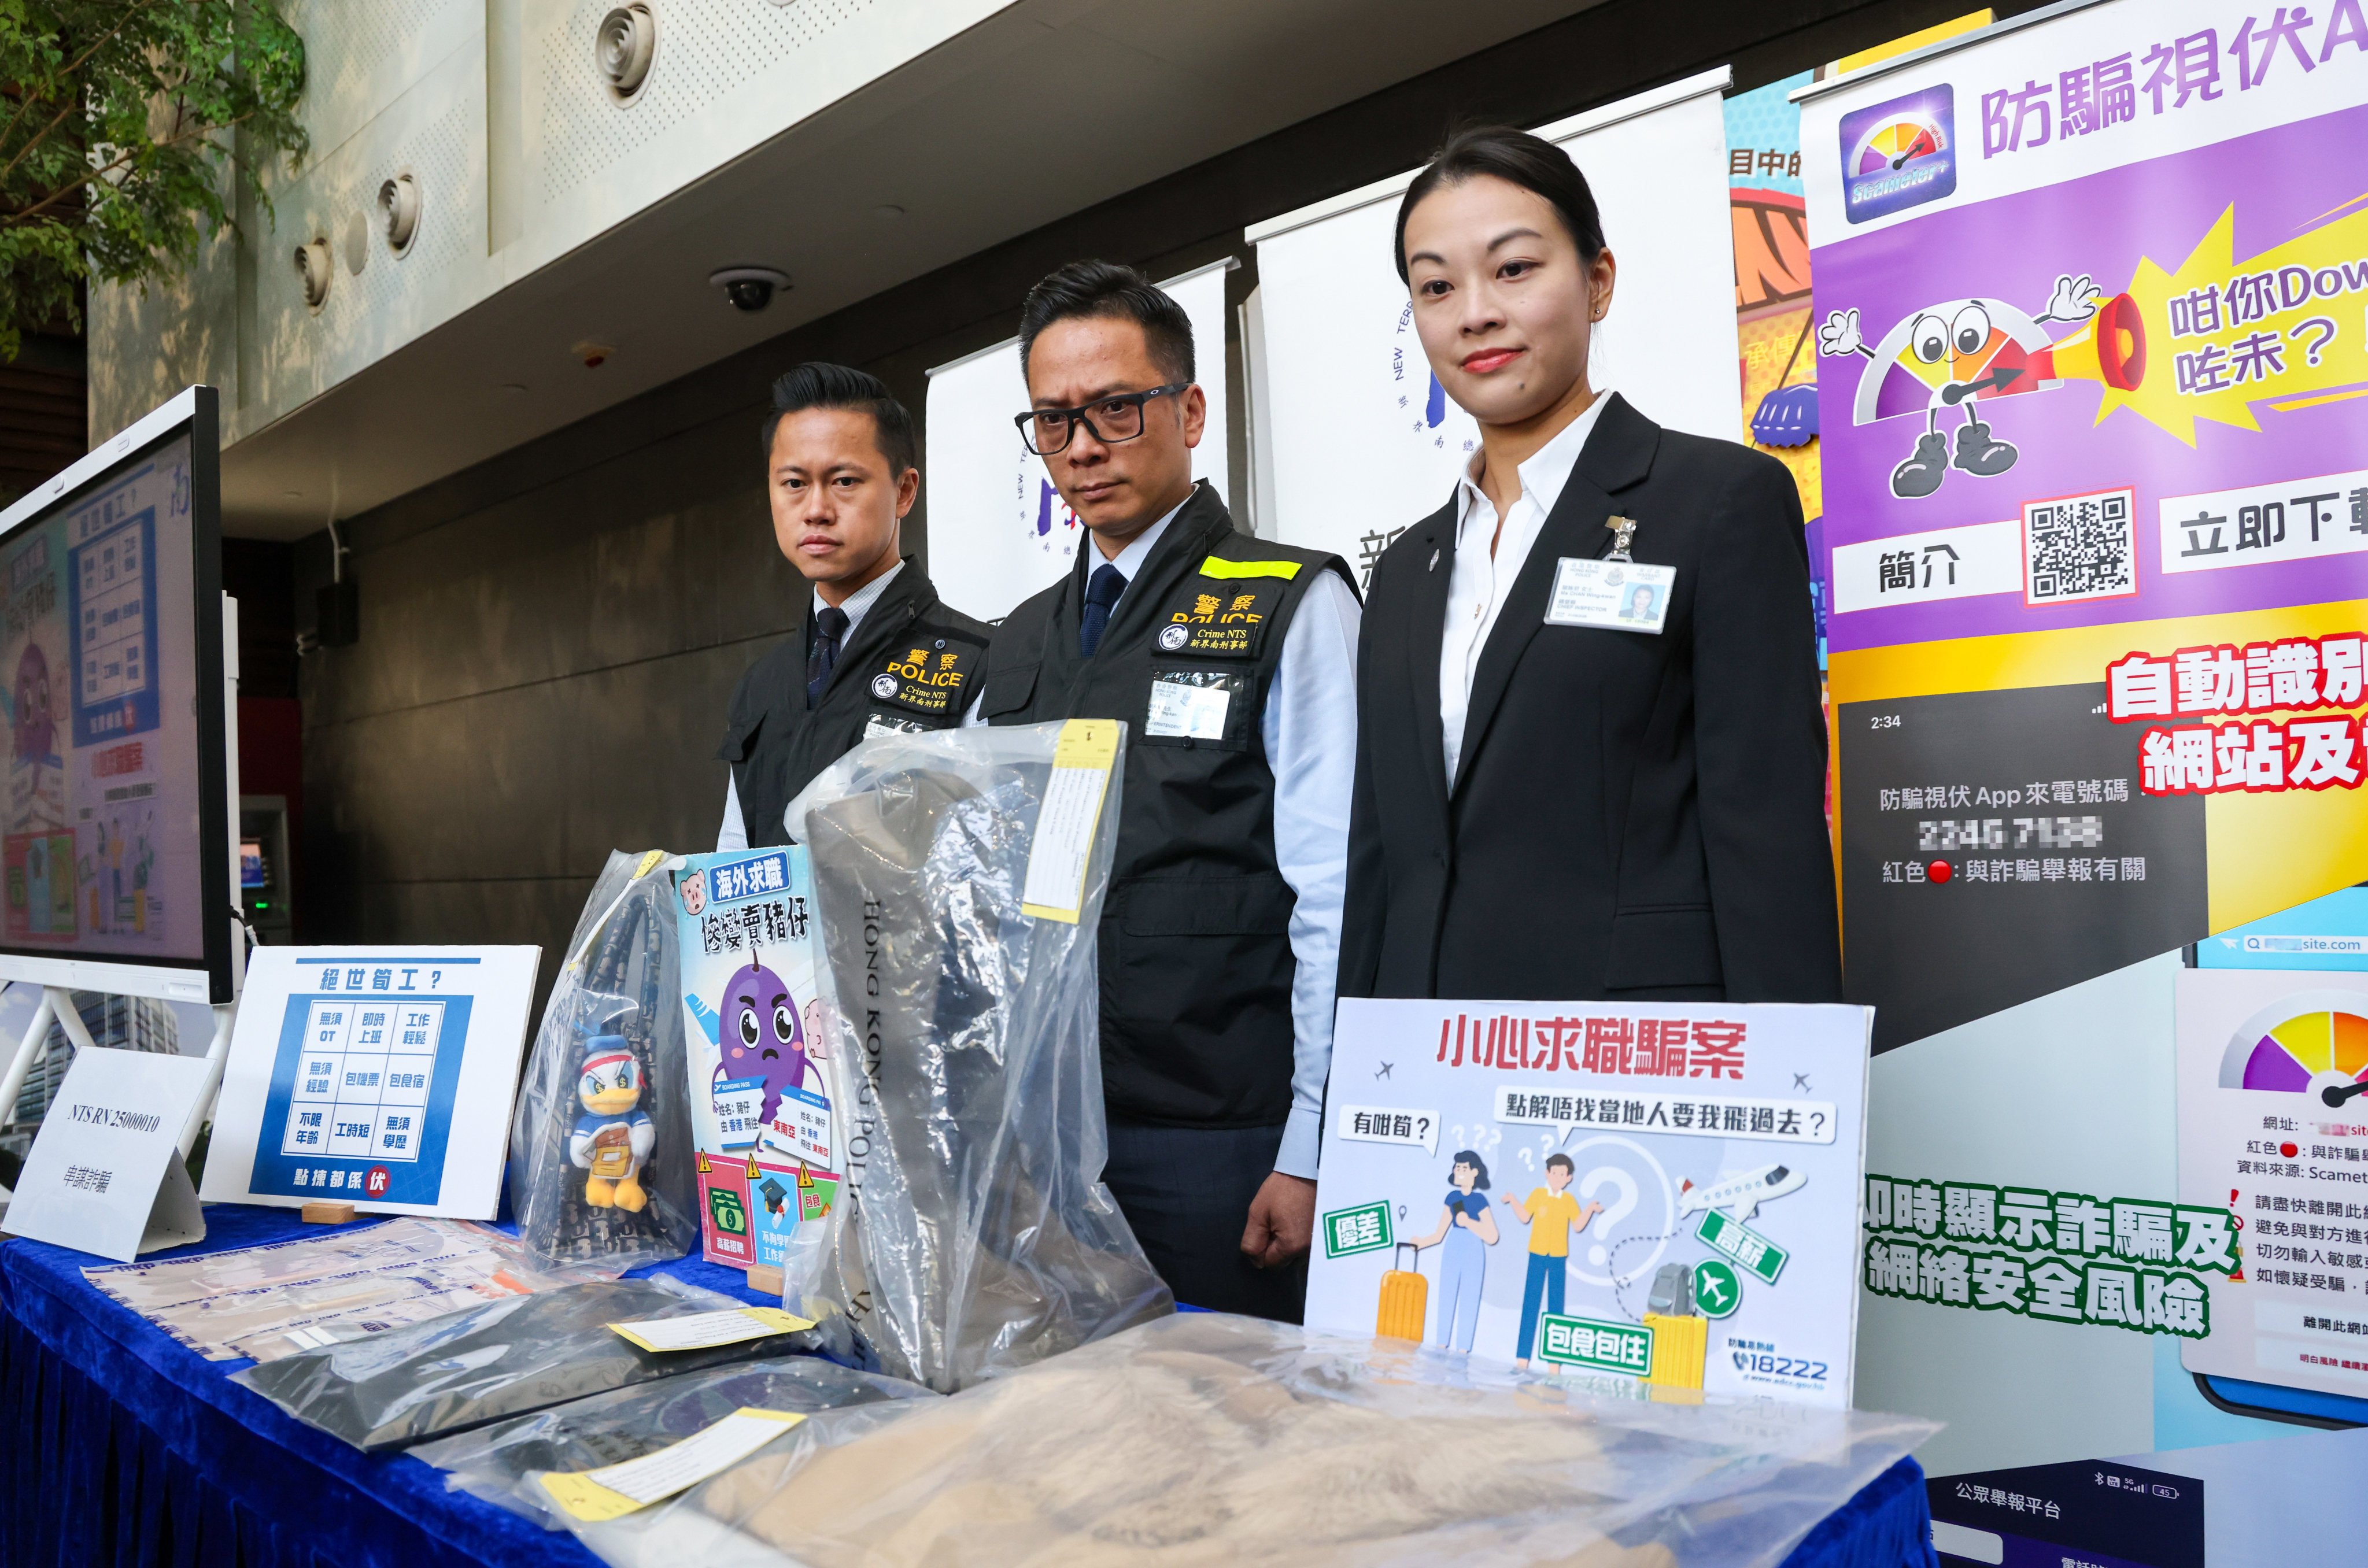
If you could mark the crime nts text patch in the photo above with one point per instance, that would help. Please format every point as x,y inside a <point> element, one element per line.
<point>925,679</point>
<point>1222,611</point>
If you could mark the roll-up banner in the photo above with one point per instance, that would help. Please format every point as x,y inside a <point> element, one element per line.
<point>1365,441</point>
<point>998,532</point>
<point>2091,293</point>
<point>2092,320</point>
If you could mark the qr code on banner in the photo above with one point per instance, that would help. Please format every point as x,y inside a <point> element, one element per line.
<point>2080,547</point>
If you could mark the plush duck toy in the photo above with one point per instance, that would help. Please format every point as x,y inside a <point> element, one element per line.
<point>613,1137</point>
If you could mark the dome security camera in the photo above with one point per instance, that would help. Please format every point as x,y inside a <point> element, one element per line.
<point>750,289</point>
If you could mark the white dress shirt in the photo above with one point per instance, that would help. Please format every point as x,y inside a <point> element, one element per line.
<point>734,833</point>
<point>1482,580</point>
<point>1310,733</point>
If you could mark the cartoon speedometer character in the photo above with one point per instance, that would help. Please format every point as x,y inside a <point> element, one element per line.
<point>1960,353</point>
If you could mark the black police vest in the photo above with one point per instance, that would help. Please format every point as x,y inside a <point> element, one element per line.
<point>1195,937</point>
<point>911,664</point>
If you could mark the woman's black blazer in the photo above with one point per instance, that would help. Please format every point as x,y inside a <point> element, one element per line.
<point>1634,816</point>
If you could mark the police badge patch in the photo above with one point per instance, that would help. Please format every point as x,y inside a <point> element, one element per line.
<point>1220,619</point>
<point>925,679</point>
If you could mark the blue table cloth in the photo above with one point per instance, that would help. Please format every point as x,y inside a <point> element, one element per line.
<point>118,1445</point>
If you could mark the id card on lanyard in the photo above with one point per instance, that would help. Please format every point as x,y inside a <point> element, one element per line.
<point>1615,593</point>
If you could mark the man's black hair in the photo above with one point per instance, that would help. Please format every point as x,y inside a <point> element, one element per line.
<point>1562,1159</point>
<point>1517,158</point>
<point>819,385</point>
<point>1105,289</point>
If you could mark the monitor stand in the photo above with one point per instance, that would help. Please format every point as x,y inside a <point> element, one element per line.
<point>57,1006</point>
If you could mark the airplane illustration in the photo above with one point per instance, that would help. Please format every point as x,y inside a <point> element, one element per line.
<point>1740,1193</point>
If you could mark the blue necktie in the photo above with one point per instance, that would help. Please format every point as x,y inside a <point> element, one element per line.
<point>1101,593</point>
<point>830,626</point>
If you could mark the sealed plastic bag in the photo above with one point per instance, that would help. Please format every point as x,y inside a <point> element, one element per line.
<point>498,1462</point>
<point>266,1301</point>
<point>479,1365</point>
<point>1206,1440</point>
<point>959,877</point>
<point>601,1155</point>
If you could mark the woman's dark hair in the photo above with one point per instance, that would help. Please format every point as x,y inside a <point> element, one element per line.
<point>1468,1157</point>
<point>820,384</point>
<point>1517,158</point>
<point>1106,288</point>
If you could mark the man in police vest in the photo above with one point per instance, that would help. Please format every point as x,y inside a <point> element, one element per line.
<point>875,649</point>
<point>1233,661</point>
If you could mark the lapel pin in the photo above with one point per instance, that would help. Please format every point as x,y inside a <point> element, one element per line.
<point>1434,562</point>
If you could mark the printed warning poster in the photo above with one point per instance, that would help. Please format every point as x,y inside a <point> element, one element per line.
<point>1655,1192</point>
<point>2092,334</point>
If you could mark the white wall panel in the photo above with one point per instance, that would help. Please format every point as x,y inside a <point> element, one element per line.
<point>361,55</point>
<point>436,132</point>
<point>727,75</point>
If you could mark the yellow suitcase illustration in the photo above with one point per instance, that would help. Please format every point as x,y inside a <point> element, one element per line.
<point>1680,1346</point>
<point>1405,1294</point>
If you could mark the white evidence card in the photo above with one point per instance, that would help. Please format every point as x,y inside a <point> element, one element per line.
<point>700,1331</point>
<point>614,1491</point>
<point>1063,844</point>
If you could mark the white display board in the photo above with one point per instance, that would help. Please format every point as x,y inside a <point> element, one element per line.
<point>1366,442</point>
<point>998,532</point>
<point>2261,1052</point>
<point>1617,1151</point>
<point>377,1076</point>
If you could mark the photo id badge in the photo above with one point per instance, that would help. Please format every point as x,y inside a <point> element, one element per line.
<point>1182,705</point>
<point>1619,596</point>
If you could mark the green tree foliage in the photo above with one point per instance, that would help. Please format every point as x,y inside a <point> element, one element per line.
<point>117,119</point>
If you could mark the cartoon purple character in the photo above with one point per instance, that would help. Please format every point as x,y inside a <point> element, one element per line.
<point>36,730</point>
<point>760,1034</point>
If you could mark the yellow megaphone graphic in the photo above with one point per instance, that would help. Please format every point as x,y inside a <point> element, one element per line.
<point>2110,346</point>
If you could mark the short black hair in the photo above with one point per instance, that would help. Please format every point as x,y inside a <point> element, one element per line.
<point>1562,1159</point>
<point>1517,158</point>
<point>1479,1166</point>
<point>1106,288</point>
<point>820,384</point>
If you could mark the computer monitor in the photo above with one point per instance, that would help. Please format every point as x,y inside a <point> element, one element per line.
<point>116,844</point>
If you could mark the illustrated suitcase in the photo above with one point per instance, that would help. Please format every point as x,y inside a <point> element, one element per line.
<point>1405,1294</point>
<point>1680,1348</point>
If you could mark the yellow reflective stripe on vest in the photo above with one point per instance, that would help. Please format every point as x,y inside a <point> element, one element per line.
<point>1213,567</point>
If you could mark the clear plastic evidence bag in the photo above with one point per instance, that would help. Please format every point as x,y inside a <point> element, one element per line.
<point>1207,1441</point>
<point>959,876</point>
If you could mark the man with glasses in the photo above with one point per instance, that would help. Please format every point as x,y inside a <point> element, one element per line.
<point>1233,661</point>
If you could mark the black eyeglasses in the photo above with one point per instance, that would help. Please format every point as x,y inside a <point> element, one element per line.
<point>1111,420</point>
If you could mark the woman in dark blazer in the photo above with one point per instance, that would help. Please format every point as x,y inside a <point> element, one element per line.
<point>1552,800</point>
